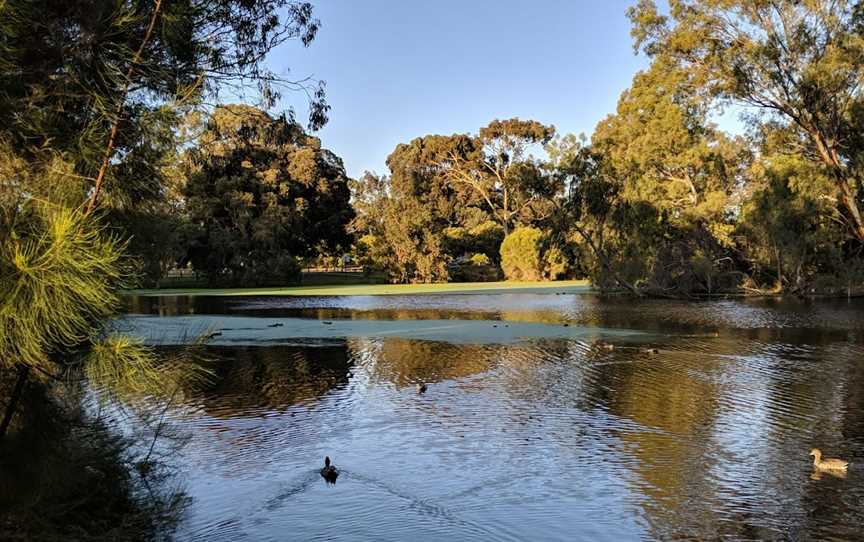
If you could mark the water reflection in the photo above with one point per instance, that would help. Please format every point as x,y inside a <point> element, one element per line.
<point>542,438</point>
<point>250,380</point>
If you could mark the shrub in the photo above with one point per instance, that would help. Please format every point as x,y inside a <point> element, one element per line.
<point>521,254</point>
<point>480,259</point>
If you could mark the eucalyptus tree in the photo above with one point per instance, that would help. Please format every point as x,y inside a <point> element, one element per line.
<point>421,207</point>
<point>653,193</point>
<point>264,194</point>
<point>499,168</point>
<point>80,75</point>
<point>798,64</point>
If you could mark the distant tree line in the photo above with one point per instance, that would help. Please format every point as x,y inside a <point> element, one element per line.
<point>658,201</point>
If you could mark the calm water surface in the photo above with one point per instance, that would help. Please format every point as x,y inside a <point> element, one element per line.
<point>528,430</point>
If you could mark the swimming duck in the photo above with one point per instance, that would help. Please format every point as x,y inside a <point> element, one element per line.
<point>827,464</point>
<point>276,325</point>
<point>421,387</point>
<point>649,351</point>
<point>604,345</point>
<point>329,472</point>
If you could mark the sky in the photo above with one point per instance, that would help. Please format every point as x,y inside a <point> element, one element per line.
<point>400,69</point>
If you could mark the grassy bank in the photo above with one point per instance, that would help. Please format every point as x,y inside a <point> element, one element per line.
<point>569,286</point>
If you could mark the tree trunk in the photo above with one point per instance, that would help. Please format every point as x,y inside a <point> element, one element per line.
<point>831,158</point>
<point>851,205</point>
<point>601,255</point>
<point>115,124</point>
<point>23,371</point>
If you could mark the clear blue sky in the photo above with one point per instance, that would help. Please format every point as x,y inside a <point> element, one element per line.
<point>400,69</point>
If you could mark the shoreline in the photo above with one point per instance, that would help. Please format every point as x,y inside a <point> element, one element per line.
<point>564,286</point>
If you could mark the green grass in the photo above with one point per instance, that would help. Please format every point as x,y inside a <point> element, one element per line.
<point>570,286</point>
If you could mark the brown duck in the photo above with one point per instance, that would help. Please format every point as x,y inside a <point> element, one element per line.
<point>827,464</point>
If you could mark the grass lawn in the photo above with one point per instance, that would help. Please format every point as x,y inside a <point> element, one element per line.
<point>569,286</point>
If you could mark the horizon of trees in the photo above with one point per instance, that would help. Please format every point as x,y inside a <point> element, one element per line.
<point>657,201</point>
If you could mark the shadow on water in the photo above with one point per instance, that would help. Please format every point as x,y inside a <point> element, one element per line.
<point>251,381</point>
<point>696,425</point>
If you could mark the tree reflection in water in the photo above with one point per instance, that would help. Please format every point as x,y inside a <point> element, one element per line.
<point>707,438</point>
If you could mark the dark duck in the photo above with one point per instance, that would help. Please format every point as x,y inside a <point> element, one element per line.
<point>329,472</point>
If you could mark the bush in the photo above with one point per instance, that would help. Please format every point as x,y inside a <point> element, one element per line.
<point>521,254</point>
<point>479,259</point>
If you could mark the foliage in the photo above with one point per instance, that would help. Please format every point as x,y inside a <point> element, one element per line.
<point>68,475</point>
<point>479,259</point>
<point>264,194</point>
<point>484,239</point>
<point>66,64</point>
<point>654,189</point>
<point>555,263</point>
<point>789,235</point>
<point>453,196</point>
<point>800,64</point>
<point>399,232</point>
<point>59,275</point>
<point>521,254</point>
<point>499,168</point>
<point>476,268</point>
<point>107,84</point>
<point>125,367</point>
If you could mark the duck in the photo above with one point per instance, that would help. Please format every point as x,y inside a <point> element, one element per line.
<point>421,387</point>
<point>829,464</point>
<point>649,351</point>
<point>329,472</point>
<point>327,322</point>
<point>144,467</point>
<point>604,345</point>
<point>276,325</point>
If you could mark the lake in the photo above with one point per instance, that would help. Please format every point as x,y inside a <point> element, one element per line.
<point>530,427</point>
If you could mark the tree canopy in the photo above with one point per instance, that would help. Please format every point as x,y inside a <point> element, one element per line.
<point>264,193</point>
<point>799,64</point>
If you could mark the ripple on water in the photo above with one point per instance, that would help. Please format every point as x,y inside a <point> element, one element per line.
<point>548,437</point>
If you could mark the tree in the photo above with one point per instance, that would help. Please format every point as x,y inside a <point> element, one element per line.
<point>397,234</point>
<point>264,194</point>
<point>662,147</point>
<point>798,63</point>
<point>90,94</point>
<point>405,228</point>
<point>653,191</point>
<point>498,167</point>
<point>793,239</point>
<point>72,70</point>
